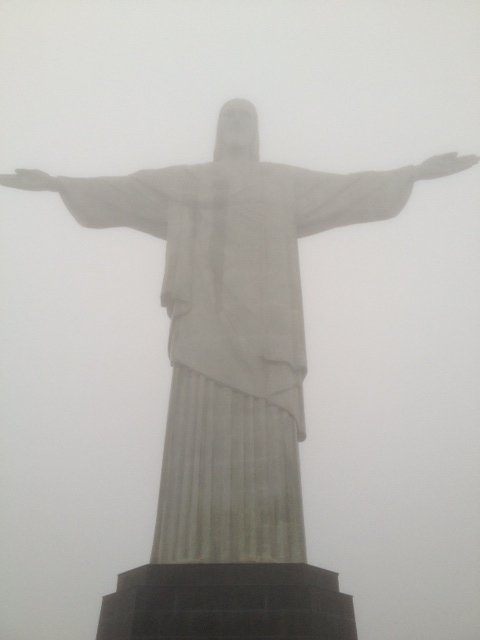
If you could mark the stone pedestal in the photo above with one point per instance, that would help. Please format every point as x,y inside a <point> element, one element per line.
<point>235,601</point>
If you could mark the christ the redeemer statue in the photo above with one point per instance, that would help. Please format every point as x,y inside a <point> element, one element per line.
<point>230,485</point>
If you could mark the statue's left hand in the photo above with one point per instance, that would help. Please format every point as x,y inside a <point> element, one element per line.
<point>444,165</point>
<point>30,180</point>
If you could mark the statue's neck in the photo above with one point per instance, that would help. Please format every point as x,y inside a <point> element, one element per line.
<point>237,167</point>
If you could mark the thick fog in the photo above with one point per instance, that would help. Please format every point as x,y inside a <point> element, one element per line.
<point>390,465</point>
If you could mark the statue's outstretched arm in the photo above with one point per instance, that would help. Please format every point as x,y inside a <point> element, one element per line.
<point>327,200</point>
<point>139,200</point>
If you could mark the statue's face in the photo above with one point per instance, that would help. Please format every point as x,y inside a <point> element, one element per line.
<point>236,125</point>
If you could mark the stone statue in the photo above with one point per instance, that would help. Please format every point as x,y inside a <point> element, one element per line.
<point>230,485</point>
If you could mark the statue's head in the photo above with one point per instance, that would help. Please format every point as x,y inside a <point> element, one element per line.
<point>237,131</point>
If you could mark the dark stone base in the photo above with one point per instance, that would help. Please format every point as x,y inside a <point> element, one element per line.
<point>236,601</point>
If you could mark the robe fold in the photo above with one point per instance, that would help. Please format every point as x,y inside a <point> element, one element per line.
<point>232,282</point>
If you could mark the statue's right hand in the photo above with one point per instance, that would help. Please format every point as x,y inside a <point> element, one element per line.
<point>29,179</point>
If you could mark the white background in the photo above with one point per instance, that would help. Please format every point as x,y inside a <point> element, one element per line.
<point>390,466</point>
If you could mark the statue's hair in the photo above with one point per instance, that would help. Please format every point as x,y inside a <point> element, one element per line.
<point>254,147</point>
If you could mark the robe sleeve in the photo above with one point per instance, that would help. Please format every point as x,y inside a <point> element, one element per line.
<point>326,200</point>
<point>139,200</point>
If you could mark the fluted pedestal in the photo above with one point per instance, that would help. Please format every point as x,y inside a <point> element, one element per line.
<point>219,601</point>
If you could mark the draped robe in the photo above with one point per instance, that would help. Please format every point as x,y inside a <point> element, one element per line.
<point>232,291</point>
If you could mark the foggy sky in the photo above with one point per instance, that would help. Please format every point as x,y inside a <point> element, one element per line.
<point>390,465</point>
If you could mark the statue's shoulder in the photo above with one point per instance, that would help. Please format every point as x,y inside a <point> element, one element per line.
<point>205,171</point>
<point>276,166</point>
<point>280,170</point>
<point>173,176</point>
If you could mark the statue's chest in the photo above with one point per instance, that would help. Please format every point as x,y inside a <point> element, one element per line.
<point>238,227</point>
<point>243,221</point>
